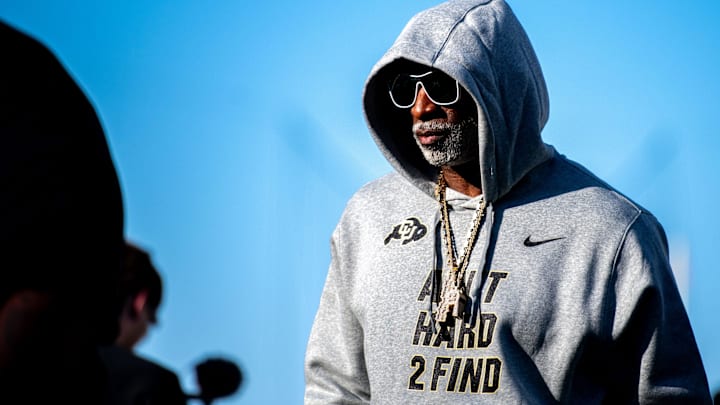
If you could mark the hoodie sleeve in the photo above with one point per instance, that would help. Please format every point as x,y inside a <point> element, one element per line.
<point>655,351</point>
<point>335,370</point>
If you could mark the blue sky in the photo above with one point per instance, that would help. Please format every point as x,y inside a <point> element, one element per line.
<point>238,133</point>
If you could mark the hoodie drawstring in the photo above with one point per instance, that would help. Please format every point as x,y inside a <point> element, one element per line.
<point>475,291</point>
<point>437,265</point>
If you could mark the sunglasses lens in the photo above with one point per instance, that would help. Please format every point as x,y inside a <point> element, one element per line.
<point>402,89</point>
<point>441,87</point>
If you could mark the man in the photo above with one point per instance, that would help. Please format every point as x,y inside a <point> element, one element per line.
<point>61,232</point>
<point>490,268</point>
<point>134,380</point>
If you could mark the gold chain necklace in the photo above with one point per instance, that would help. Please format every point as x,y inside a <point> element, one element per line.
<point>452,295</point>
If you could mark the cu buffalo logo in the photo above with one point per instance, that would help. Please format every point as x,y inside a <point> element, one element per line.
<point>410,230</point>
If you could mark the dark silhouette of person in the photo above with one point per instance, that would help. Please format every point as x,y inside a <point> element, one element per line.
<point>133,379</point>
<point>61,232</point>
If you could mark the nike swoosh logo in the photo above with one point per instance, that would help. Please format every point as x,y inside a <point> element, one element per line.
<point>530,243</point>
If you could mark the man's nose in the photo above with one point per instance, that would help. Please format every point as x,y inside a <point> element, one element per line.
<point>423,105</point>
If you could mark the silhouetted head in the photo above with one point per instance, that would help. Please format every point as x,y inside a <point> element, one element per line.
<point>60,201</point>
<point>141,291</point>
<point>61,230</point>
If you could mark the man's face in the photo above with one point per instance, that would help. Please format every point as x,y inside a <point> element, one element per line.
<point>444,119</point>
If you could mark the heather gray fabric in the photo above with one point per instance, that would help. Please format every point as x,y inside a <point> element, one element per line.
<point>572,296</point>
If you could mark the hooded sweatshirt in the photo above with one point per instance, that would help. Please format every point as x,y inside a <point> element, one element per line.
<point>571,295</point>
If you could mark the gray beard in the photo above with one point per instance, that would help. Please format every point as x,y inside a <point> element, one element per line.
<point>458,146</point>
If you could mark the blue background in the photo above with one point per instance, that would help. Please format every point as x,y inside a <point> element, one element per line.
<point>237,130</point>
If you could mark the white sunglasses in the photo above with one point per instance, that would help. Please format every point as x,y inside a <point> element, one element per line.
<point>440,88</point>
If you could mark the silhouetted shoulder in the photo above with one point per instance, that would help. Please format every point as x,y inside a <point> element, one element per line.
<point>134,379</point>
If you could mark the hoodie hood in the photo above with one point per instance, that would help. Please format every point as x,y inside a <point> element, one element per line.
<point>482,45</point>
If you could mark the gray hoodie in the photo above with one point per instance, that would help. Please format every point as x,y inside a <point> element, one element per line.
<point>572,299</point>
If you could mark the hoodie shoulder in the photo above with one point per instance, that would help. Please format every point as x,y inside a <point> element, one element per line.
<point>384,191</point>
<point>563,195</point>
